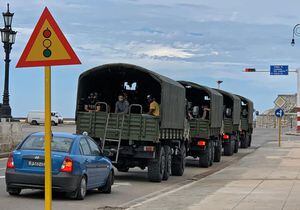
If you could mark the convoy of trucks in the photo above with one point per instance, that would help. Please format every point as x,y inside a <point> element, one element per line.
<point>194,120</point>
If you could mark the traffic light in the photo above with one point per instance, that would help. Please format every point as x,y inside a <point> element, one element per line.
<point>250,70</point>
<point>47,43</point>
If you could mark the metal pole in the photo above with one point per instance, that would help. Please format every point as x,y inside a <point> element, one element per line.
<point>6,110</point>
<point>298,101</point>
<point>279,131</point>
<point>48,136</point>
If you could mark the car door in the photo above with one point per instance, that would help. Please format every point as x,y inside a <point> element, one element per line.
<point>85,151</point>
<point>103,166</point>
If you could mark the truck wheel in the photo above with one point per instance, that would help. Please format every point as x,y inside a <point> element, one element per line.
<point>178,162</point>
<point>205,157</point>
<point>168,164</point>
<point>249,140</point>
<point>236,146</point>
<point>53,123</point>
<point>156,167</point>
<point>218,153</point>
<point>212,154</point>
<point>244,141</point>
<point>125,169</point>
<point>13,191</point>
<point>228,148</point>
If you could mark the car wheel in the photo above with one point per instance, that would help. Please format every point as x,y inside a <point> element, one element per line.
<point>53,123</point>
<point>14,191</point>
<point>109,182</point>
<point>34,122</point>
<point>81,191</point>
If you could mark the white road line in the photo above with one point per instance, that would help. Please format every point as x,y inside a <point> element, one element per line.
<point>160,195</point>
<point>2,177</point>
<point>2,169</point>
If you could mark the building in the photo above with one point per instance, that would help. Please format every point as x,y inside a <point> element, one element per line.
<point>287,102</point>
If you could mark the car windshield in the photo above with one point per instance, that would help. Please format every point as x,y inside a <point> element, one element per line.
<point>59,144</point>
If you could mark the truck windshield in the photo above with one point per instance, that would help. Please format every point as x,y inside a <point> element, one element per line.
<point>58,144</point>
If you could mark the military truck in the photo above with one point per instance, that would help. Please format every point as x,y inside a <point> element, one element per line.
<point>135,139</point>
<point>231,122</point>
<point>204,114</point>
<point>246,124</point>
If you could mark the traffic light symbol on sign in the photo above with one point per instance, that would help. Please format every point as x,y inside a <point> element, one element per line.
<point>47,43</point>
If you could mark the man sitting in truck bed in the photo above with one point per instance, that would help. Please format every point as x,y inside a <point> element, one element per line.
<point>91,104</point>
<point>122,104</point>
<point>154,107</point>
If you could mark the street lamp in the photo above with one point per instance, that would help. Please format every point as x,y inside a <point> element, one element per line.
<point>296,32</point>
<point>8,37</point>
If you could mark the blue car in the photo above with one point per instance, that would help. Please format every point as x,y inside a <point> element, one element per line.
<point>77,165</point>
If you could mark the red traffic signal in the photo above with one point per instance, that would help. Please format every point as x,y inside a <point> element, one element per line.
<point>250,70</point>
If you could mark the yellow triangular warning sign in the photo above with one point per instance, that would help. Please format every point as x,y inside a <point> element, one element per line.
<point>47,45</point>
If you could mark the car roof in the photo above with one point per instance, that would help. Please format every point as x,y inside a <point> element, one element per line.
<point>58,134</point>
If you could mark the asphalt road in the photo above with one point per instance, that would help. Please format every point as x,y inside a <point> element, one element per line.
<point>130,188</point>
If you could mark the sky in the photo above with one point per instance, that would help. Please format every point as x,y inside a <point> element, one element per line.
<point>198,40</point>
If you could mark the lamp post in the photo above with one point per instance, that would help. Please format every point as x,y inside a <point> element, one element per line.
<point>8,38</point>
<point>296,32</point>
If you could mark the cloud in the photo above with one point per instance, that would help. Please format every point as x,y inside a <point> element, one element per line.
<point>157,51</point>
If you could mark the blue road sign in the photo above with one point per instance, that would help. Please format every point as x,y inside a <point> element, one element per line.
<point>279,112</point>
<point>279,70</point>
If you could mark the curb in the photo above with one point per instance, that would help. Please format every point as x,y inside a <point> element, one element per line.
<point>292,134</point>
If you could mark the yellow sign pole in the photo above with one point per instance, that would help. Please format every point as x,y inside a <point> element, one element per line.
<point>279,131</point>
<point>48,137</point>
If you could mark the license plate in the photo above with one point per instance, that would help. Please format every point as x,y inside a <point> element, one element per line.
<point>36,163</point>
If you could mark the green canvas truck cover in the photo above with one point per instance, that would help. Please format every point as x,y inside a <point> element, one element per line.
<point>172,93</point>
<point>250,108</point>
<point>236,115</point>
<point>216,103</point>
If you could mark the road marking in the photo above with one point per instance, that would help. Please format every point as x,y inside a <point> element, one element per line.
<point>2,169</point>
<point>118,184</point>
<point>2,177</point>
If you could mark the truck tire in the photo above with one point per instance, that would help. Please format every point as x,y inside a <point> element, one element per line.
<point>236,146</point>
<point>178,162</point>
<point>168,164</point>
<point>228,148</point>
<point>249,140</point>
<point>156,167</point>
<point>218,152</point>
<point>124,169</point>
<point>244,141</point>
<point>212,153</point>
<point>34,122</point>
<point>205,157</point>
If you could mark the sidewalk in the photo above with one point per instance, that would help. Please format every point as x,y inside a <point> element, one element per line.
<point>269,178</point>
